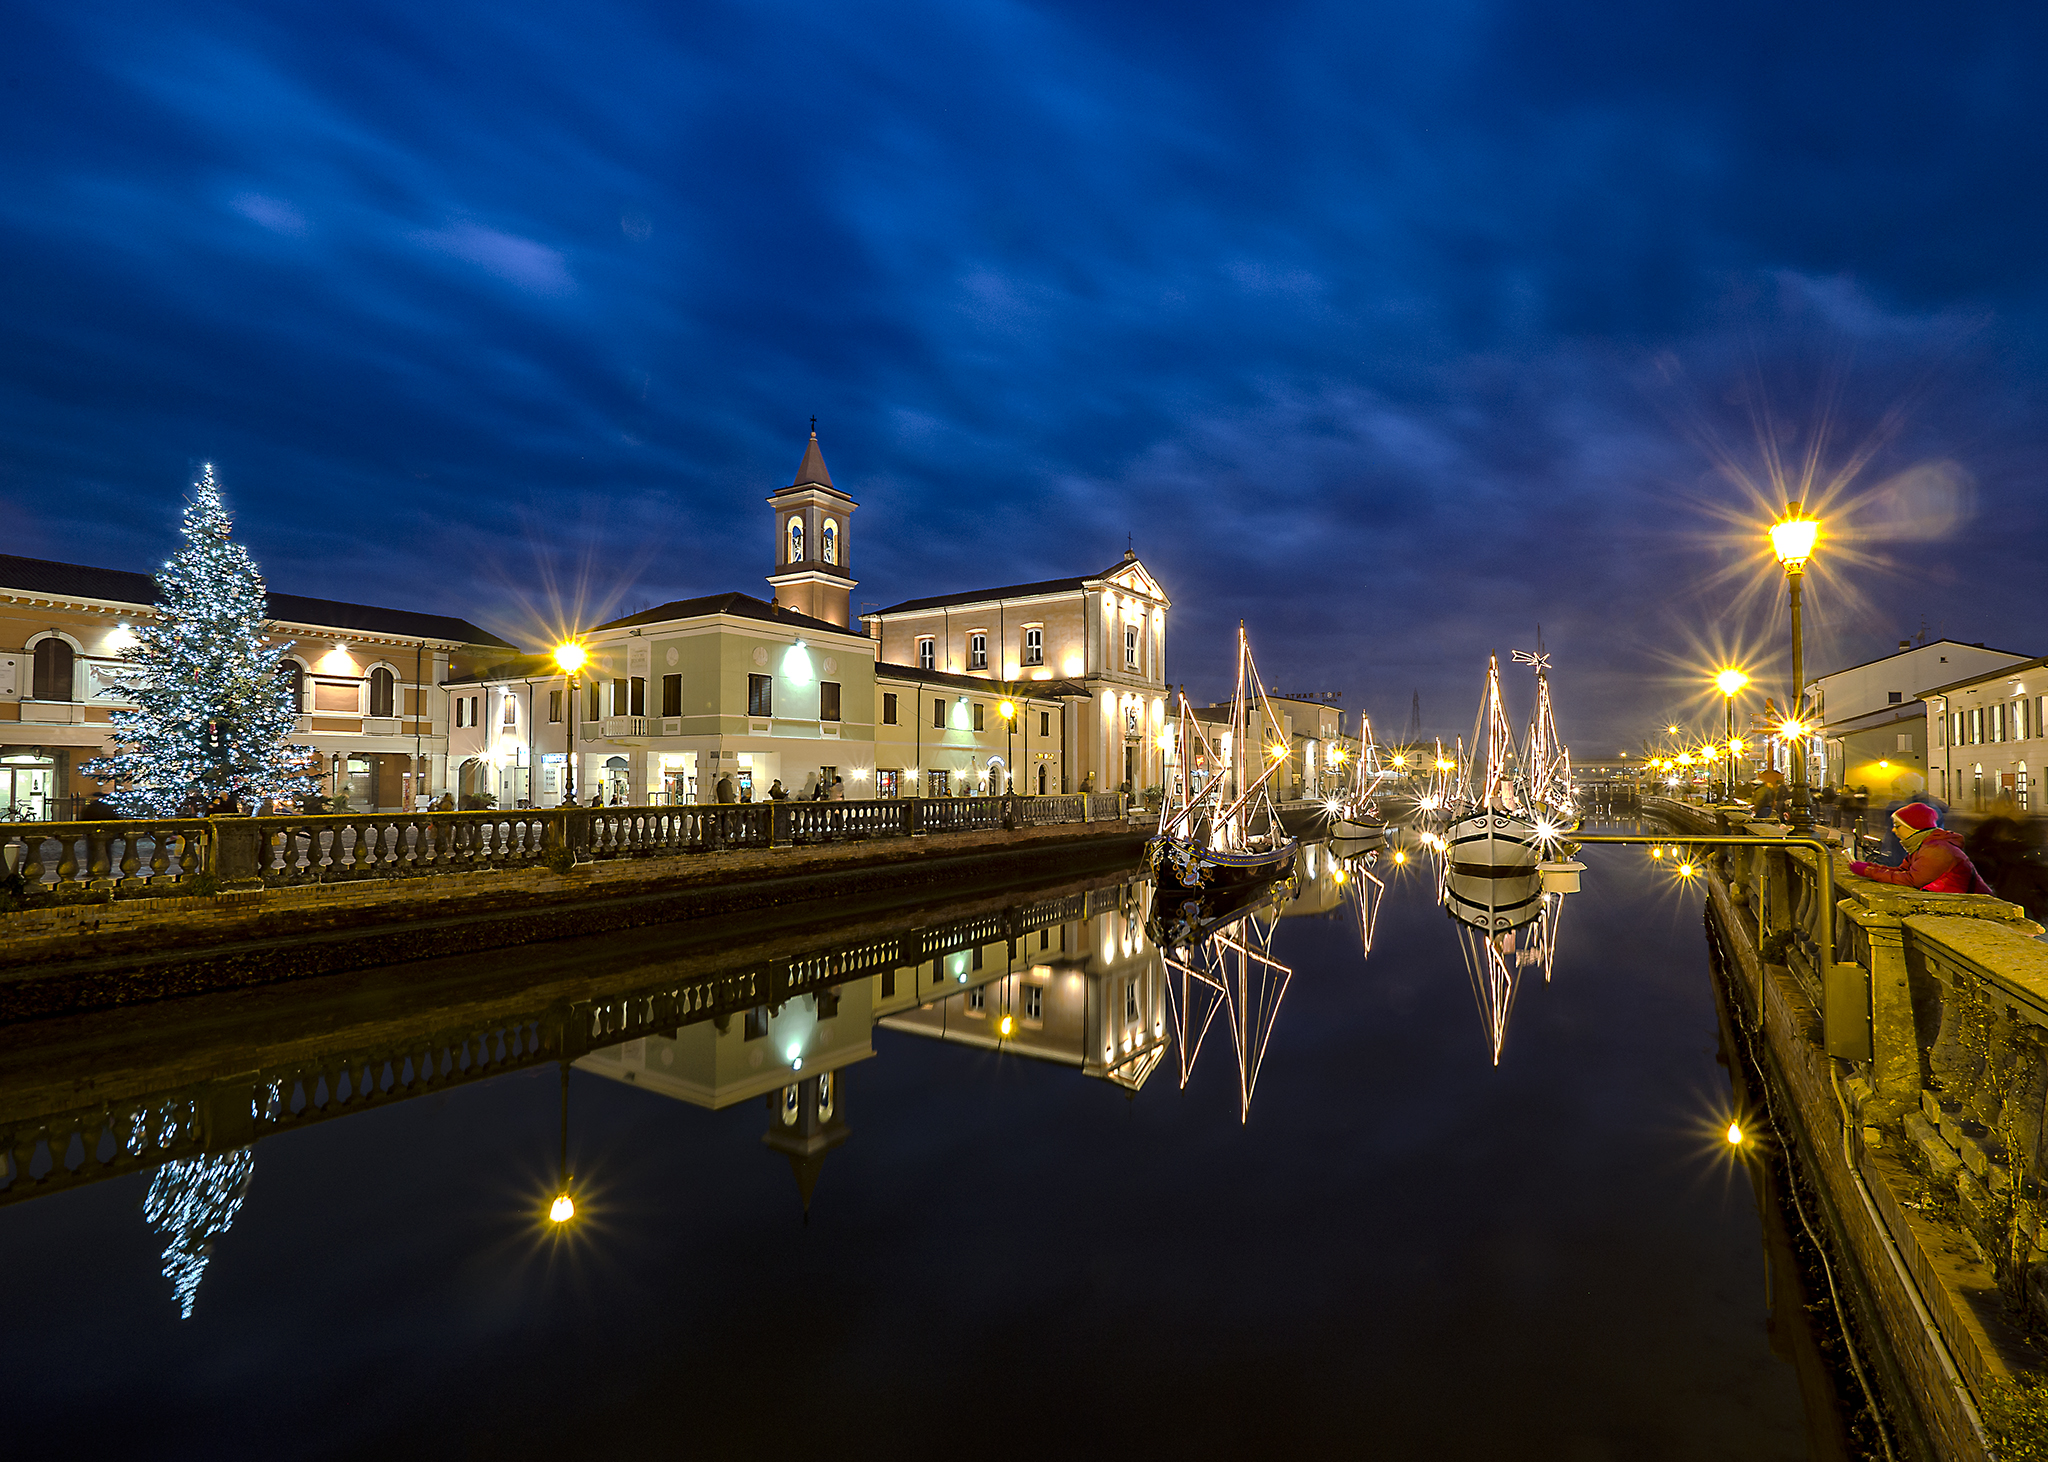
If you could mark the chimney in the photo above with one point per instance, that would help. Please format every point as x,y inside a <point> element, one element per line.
<point>1905,644</point>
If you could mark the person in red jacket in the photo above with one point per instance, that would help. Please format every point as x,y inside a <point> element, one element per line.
<point>1935,860</point>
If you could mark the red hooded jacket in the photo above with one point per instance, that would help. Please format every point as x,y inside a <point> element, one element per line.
<point>1936,864</point>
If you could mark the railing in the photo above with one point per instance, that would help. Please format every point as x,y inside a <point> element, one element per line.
<point>43,862</point>
<point>123,859</point>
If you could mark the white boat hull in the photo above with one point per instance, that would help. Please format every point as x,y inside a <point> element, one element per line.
<point>1491,878</point>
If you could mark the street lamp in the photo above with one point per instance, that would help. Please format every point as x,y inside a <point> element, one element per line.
<point>1792,540</point>
<point>1728,682</point>
<point>570,657</point>
<point>1009,713</point>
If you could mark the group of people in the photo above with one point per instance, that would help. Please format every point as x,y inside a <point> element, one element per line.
<point>828,789</point>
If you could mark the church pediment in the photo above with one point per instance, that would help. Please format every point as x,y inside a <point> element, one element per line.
<point>1132,578</point>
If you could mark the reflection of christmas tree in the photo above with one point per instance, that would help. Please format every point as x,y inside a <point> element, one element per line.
<point>211,713</point>
<point>193,1201</point>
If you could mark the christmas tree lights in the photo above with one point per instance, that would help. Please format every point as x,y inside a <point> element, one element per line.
<point>211,713</point>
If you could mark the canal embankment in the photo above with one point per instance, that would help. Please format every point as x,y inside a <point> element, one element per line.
<point>1907,1078</point>
<point>100,945</point>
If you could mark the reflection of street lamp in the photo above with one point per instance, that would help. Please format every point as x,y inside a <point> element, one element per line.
<point>564,1207</point>
<point>1728,682</point>
<point>1009,713</point>
<point>1792,539</point>
<point>570,658</point>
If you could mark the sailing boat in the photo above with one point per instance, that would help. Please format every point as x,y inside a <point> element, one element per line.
<point>1219,835</point>
<point>1356,822</point>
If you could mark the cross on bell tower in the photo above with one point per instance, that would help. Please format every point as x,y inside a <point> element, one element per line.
<point>811,541</point>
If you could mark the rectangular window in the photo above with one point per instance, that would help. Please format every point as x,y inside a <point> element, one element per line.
<point>888,783</point>
<point>619,696</point>
<point>888,708</point>
<point>938,715</point>
<point>1034,645</point>
<point>1998,722</point>
<point>671,695</point>
<point>1130,1002</point>
<point>1044,938</point>
<point>592,711</point>
<point>977,652</point>
<point>554,707</point>
<point>828,1004</point>
<point>1905,740</point>
<point>828,700</point>
<point>638,696</point>
<point>978,709</point>
<point>1034,1002</point>
<point>510,718</point>
<point>936,783</point>
<point>1894,697</point>
<point>327,697</point>
<point>888,983</point>
<point>927,654</point>
<point>1976,726</point>
<point>760,696</point>
<point>1045,723</point>
<point>475,707</point>
<point>1130,647</point>
<point>977,1000</point>
<point>977,956</point>
<point>461,709</point>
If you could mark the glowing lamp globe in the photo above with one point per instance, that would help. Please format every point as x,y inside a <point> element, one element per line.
<point>1006,1025</point>
<point>1734,1134</point>
<point>1730,681</point>
<point>1792,537</point>
<point>562,1209</point>
<point>571,657</point>
<point>1009,710</point>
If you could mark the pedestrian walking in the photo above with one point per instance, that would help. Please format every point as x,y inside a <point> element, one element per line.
<point>725,793</point>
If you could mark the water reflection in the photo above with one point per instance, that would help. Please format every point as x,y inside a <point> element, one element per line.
<point>192,1202</point>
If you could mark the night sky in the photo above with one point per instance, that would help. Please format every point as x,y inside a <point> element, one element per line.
<point>1394,330</point>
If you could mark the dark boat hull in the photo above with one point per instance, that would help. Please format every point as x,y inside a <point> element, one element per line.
<point>1183,870</point>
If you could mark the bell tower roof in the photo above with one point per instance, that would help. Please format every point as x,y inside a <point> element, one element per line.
<point>812,471</point>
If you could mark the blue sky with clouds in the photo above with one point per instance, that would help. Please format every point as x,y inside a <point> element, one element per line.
<point>1393,330</point>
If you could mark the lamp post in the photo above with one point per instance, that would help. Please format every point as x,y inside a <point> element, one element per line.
<point>1792,539</point>
<point>1728,682</point>
<point>1009,713</point>
<point>570,658</point>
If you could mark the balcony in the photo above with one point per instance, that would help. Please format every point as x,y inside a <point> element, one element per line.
<point>54,713</point>
<point>623,728</point>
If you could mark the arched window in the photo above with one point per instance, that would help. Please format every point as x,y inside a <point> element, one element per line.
<point>510,720</point>
<point>54,659</point>
<point>796,540</point>
<point>293,674</point>
<point>383,692</point>
<point>829,541</point>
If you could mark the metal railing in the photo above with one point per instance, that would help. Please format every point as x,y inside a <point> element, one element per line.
<point>44,862</point>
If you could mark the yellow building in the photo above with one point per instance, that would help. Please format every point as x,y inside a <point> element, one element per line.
<point>1103,633</point>
<point>363,676</point>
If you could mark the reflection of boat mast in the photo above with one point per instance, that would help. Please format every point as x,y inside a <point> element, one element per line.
<point>1231,970</point>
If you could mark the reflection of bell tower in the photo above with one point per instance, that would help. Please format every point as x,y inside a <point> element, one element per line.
<point>805,1123</point>
<point>811,558</point>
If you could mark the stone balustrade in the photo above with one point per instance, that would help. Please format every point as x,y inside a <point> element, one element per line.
<point>79,861</point>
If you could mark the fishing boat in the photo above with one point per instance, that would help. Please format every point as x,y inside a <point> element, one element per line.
<point>1357,824</point>
<point>1507,823</point>
<point>1219,833</point>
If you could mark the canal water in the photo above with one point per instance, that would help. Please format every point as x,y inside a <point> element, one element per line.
<point>1015,1245</point>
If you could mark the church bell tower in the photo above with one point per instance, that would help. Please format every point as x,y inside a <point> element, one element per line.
<point>812,562</point>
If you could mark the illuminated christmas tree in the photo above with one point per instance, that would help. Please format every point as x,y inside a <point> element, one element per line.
<point>211,713</point>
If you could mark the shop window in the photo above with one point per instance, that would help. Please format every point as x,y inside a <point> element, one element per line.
<point>760,696</point>
<point>828,700</point>
<point>936,783</point>
<point>671,695</point>
<point>927,653</point>
<point>383,692</point>
<point>888,708</point>
<point>888,783</point>
<point>1034,645</point>
<point>55,661</point>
